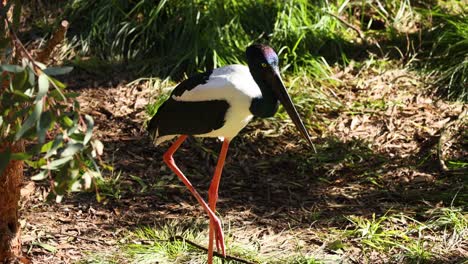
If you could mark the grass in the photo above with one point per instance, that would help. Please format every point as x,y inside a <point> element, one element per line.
<point>155,37</point>
<point>161,90</point>
<point>448,60</point>
<point>173,38</point>
<point>157,245</point>
<point>399,237</point>
<point>160,244</point>
<point>414,239</point>
<point>451,219</point>
<point>166,244</point>
<point>110,186</point>
<point>372,233</point>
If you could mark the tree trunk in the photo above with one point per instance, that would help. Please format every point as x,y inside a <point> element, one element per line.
<point>10,186</point>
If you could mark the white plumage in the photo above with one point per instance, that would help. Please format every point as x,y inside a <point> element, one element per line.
<point>235,85</point>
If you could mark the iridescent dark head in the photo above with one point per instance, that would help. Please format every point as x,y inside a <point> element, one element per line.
<point>263,65</point>
<point>261,56</point>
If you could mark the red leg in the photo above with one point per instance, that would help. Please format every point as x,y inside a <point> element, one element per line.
<point>213,198</point>
<point>214,220</point>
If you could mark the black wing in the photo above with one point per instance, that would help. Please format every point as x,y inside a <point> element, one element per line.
<point>192,82</point>
<point>188,118</point>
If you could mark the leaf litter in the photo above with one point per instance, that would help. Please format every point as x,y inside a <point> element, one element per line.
<point>384,150</point>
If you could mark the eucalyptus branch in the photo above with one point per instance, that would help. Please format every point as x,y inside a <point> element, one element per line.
<point>36,67</point>
<point>19,44</point>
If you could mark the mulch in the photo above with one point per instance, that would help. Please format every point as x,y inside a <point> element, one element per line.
<point>384,150</point>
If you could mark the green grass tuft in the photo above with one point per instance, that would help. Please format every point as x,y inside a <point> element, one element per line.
<point>449,54</point>
<point>408,236</point>
<point>173,37</point>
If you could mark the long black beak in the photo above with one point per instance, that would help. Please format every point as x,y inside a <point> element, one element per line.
<point>280,91</point>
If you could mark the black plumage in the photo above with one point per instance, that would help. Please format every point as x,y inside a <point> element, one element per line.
<point>188,118</point>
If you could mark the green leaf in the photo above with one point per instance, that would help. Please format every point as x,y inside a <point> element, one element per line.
<point>58,83</point>
<point>141,182</point>
<point>5,157</point>
<point>36,164</point>
<point>43,124</point>
<point>54,71</point>
<point>20,80</point>
<point>47,247</point>
<point>68,121</point>
<point>31,76</point>
<point>30,121</point>
<point>72,130</point>
<point>76,187</point>
<point>73,95</point>
<point>12,68</point>
<point>40,176</point>
<point>43,85</point>
<point>336,245</point>
<point>76,105</point>
<point>71,149</point>
<point>22,96</point>
<point>56,95</point>
<point>20,156</point>
<point>57,143</point>
<point>56,163</point>
<point>89,129</point>
<point>46,147</point>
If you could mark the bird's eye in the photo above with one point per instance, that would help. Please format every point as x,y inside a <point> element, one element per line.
<point>264,65</point>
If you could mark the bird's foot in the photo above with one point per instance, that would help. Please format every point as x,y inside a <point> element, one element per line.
<point>219,235</point>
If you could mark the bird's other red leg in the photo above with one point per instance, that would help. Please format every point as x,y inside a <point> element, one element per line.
<point>214,220</point>
<point>213,198</point>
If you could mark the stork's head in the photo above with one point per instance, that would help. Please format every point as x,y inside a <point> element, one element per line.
<point>263,64</point>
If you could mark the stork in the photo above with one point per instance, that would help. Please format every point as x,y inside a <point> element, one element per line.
<point>220,103</point>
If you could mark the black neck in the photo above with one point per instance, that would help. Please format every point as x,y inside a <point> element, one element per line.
<point>267,104</point>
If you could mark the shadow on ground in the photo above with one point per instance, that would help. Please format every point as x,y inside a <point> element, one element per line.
<point>276,180</point>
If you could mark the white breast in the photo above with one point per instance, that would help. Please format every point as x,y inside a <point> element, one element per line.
<point>234,84</point>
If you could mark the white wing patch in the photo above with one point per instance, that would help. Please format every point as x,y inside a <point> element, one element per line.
<point>233,84</point>
<point>227,83</point>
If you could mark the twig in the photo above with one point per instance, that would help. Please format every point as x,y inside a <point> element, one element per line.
<point>358,31</point>
<point>19,44</point>
<point>228,257</point>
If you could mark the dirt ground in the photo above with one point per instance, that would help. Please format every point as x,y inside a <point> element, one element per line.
<point>383,150</point>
